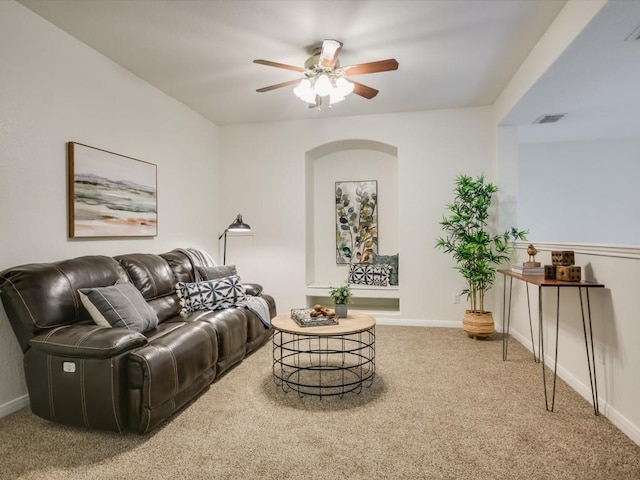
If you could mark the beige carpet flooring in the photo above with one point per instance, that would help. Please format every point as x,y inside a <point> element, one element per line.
<point>442,406</point>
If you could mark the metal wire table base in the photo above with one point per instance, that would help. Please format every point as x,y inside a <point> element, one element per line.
<point>324,366</point>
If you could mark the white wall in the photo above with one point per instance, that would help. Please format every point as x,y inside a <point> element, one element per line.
<point>507,177</point>
<point>54,89</point>
<point>432,148</point>
<point>566,196</point>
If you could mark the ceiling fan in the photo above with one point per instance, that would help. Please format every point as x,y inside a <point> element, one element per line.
<point>324,77</point>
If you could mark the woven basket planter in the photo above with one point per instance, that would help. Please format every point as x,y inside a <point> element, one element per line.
<point>478,325</point>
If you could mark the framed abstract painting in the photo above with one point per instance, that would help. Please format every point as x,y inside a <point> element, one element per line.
<point>356,221</point>
<point>110,195</point>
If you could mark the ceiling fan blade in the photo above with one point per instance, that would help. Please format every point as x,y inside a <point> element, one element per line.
<point>279,85</point>
<point>269,63</point>
<point>364,90</point>
<point>371,67</point>
<point>329,53</point>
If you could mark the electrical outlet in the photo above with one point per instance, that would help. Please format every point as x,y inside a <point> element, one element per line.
<point>456,298</point>
<point>600,349</point>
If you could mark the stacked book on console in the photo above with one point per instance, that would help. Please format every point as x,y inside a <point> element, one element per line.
<point>522,270</point>
<point>303,317</point>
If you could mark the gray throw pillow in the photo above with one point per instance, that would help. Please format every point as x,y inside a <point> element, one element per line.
<point>120,305</point>
<point>392,261</point>
<point>219,271</point>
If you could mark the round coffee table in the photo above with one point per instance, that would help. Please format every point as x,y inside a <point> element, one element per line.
<point>324,361</point>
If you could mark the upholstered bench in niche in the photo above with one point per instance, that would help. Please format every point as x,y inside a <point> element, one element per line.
<point>374,287</point>
<point>382,272</point>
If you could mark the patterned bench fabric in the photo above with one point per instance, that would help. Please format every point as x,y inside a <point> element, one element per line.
<point>367,274</point>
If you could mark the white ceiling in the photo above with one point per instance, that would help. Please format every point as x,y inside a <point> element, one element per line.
<point>452,53</point>
<point>596,82</point>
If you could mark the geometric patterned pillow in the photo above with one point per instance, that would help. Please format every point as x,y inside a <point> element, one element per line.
<point>392,261</point>
<point>368,274</point>
<point>210,294</point>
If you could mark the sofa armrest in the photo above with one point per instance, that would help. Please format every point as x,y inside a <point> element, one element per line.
<point>87,341</point>
<point>253,289</point>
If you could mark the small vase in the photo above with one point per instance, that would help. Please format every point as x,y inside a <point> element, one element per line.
<point>341,310</point>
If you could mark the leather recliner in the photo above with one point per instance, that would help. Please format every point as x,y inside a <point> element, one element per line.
<point>81,374</point>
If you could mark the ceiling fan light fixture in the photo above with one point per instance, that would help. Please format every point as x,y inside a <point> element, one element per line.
<point>323,76</point>
<point>344,87</point>
<point>323,85</point>
<point>335,97</point>
<point>304,91</point>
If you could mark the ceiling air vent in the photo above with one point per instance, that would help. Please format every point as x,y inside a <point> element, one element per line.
<point>549,118</point>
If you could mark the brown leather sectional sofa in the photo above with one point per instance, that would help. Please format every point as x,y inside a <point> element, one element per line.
<point>116,379</point>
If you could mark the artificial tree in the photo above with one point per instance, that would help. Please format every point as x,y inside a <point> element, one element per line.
<point>467,237</point>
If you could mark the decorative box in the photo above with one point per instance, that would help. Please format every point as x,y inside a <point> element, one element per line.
<point>575,273</point>
<point>564,257</point>
<point>562,273</point>
<point>570,273</point>
<point>550,272</point>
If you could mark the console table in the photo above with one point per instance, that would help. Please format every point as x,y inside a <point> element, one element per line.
<point>541,283</point>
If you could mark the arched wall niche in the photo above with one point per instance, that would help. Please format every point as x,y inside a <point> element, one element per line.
<point>346,160</point>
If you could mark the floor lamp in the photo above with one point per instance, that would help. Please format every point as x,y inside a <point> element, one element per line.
<point>237,226</point>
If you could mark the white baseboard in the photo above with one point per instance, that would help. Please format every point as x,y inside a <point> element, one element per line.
<point>623,423</point>
<point>14,405</point>
<point>409,322</point>
<point>619,420</point>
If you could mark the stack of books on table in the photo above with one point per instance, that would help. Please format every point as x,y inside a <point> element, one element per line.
<point>302,316</point>
<point>522,270</point>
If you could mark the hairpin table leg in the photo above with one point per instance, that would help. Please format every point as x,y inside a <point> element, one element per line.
<point>588,343</point>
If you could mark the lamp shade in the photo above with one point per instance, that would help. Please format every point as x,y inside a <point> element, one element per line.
<point>323,85</point>
<point>238,225</point>
<point>344,86</point>
<point>304,91</point>
<point>335,97</point>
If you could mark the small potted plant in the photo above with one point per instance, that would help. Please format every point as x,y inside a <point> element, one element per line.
<point>341,296</point>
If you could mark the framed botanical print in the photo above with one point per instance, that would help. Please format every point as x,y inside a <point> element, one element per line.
<point>356,221</point>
